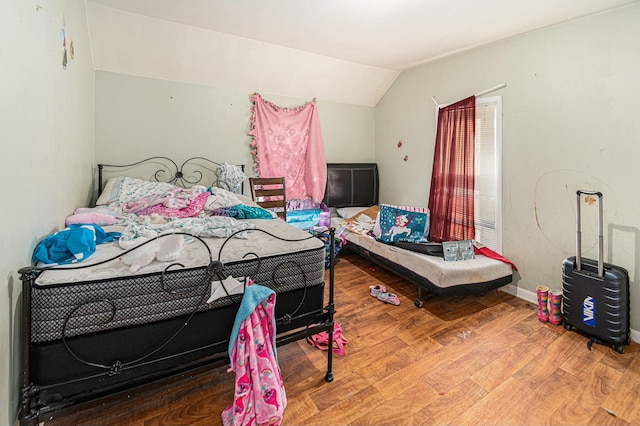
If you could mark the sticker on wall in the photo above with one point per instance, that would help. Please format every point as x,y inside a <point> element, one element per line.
<point>63,38</point>
<point>406,158</point>
<point>400,143</point>
<point>66,41</point>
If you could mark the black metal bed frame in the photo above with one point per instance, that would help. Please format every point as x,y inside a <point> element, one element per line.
<point>36,406</point>
<point>179,175</point>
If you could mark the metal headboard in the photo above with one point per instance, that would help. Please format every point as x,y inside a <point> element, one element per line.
<point>190,172</point>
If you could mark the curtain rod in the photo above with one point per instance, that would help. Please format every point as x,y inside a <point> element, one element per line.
<point>484,92</point>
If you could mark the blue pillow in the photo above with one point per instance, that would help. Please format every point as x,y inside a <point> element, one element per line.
<point>399,223</point>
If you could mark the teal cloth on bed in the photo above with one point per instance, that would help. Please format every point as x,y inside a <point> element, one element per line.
<point>73,244</point>
<point>242,211</point>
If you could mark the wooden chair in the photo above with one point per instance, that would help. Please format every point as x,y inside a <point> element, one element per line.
<point>270,193</point>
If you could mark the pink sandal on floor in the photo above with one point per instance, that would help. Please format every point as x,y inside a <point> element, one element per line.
<point>377,289</point>
<point>389,298</point>
<point>321,340</point>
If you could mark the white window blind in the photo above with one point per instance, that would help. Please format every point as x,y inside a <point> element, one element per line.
<point>488,174</point>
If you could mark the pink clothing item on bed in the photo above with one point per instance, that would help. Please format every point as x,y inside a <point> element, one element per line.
<point>288,142</point>
<point>91,218</point>
<point>192,210</point>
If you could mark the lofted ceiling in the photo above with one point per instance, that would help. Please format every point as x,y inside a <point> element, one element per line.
<point>347,51</point>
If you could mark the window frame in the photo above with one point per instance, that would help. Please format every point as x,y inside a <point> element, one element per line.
<point>496,101</point>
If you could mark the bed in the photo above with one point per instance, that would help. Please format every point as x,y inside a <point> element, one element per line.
<point>353,188</point>
<point>120,321</point>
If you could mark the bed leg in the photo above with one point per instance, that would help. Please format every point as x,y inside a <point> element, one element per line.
<point>27,389</point>
<point>328,377</point>
<point>27,416</point>
<point>331,306</point>
<point>418,302</point>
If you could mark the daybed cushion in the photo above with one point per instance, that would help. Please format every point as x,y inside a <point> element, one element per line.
<point>441,273</point>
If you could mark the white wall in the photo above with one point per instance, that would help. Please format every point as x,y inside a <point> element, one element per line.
<point>138,117</point>
<point>155,48</point>
<point>570,121</point>
<point>46,117</point>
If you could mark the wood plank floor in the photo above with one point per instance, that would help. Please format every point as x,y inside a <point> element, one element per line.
<point>459,360</point>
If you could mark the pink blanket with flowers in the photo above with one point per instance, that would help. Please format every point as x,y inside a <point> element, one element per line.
<point>260,398</point>
<point>176,202</point>
<point>288,142</point>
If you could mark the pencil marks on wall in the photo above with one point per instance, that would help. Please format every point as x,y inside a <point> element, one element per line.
<point>554,209</point>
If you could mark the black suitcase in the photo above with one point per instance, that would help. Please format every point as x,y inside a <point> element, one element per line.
<point>595,294</point>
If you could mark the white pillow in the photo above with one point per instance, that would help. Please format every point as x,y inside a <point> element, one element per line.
<point>349,212</point>
<point>126,189</point>
<point>105,196</point>
<point>220,198</point>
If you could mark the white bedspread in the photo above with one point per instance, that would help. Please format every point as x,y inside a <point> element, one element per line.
<point>210,226</point>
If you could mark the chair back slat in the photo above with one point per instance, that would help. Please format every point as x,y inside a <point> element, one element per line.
<point>270,193</point>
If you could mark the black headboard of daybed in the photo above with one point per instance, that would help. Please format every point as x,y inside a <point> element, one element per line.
<point>351,184</point>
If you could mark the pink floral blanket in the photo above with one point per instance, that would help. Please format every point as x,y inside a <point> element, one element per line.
<point>176,202</point>
<point>288,142</point>
<point>260,397</point>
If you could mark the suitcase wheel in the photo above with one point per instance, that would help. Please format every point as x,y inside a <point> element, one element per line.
<point>568,326</point>
<point>619,348</point>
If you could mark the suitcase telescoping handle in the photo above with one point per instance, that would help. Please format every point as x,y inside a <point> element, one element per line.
<point>600,233</point>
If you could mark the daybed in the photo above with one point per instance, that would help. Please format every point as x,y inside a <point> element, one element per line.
<point>354,186</point>
<point>101,329</point>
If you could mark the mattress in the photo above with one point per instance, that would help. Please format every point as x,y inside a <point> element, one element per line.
<point>74,302</point>
<point>267,239</point>
<point>441,273</point>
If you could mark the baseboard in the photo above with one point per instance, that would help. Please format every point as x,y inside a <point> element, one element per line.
<point>531,297</point>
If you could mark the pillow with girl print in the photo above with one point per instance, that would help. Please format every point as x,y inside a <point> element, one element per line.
<point>402,223</point>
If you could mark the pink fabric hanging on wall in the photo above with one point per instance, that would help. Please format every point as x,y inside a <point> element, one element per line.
<point>288,142</point>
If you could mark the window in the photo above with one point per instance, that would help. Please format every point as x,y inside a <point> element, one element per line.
<point>488,172</point>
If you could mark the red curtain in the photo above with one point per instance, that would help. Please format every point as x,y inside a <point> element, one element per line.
<point>452,178</point>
